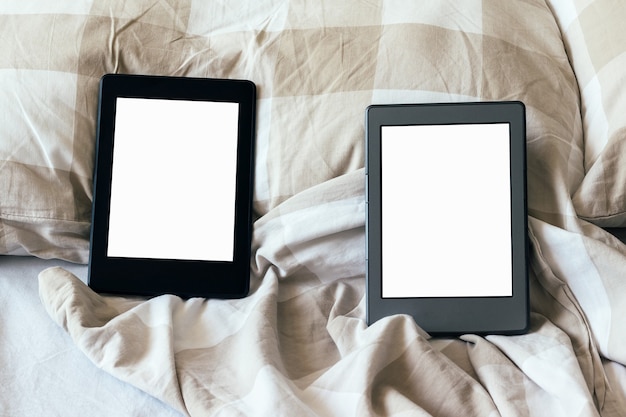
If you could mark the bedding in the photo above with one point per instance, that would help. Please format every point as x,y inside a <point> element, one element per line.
<point>299,344</point>
<point>41,372</point>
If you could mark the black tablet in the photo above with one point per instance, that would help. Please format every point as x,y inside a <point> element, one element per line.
<point>173,186</point>
<point>446,216</point>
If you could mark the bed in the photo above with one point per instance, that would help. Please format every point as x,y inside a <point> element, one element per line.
<point>299,343</point>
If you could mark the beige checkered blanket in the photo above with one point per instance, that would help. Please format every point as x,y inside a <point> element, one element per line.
<point>299,345</point>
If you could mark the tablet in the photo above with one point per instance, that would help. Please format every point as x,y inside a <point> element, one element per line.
<point>446,216</point>
<point>173,179</point>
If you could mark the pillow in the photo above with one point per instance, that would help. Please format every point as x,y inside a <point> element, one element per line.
<point>596,43</point>
<point>317,67</point>
<point>46,136</point>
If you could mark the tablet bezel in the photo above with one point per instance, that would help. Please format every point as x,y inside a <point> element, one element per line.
<point>450,315</point>
<point>186,278</point>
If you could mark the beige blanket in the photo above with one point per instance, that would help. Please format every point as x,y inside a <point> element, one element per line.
<point>299,345</point>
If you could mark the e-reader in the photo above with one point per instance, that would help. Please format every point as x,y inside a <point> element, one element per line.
<point>446,216</point>
<point>173,183</point>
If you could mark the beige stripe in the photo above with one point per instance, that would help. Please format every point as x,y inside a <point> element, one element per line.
<point>52,199</point>
<point>38,213</point>
<point>439,60</point>
<point>172,14</point>
<point>339,14</point>
<point>318,61</point>
<point>412,375</point>
<point>603,28</point>
<point>525,24</point>
<point>40,41</point>
<point>511,72</point>
<point>321,138</point>
<point>113,45</point>
<point>148,33</point>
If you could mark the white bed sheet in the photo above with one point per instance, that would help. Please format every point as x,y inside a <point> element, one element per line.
<point>42,372</point>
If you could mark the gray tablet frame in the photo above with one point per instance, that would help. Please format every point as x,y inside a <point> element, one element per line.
<point>453,315</point>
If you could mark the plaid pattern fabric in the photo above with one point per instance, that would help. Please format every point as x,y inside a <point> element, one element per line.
<point>298,345</point>
<point>316,68</point>
<point>596,44</point>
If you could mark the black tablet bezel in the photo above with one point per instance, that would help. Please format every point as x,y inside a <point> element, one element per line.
<point>451,315</point>
<point>186,278</point>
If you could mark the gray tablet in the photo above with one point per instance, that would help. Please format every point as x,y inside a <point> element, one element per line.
<point>446,216</point>
<point>173,186</point>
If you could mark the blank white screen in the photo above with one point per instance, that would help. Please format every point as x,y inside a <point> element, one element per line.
<point>446,211</point>
<point>173,180</point>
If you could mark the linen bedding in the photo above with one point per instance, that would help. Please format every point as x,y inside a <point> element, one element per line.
<point>298,344</point>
